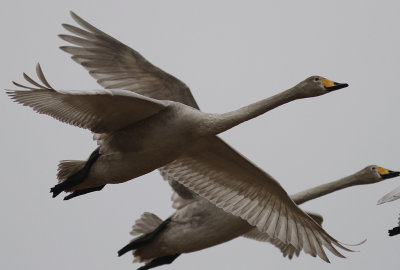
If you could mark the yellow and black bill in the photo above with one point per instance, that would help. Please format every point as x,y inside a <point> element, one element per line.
<point>331,85</point>
<point>386,174</point>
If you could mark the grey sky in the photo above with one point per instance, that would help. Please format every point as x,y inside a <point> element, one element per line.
<point>230,54</point>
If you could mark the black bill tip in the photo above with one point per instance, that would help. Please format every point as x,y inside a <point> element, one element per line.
<point>391,174</point>
<point>337,86</point>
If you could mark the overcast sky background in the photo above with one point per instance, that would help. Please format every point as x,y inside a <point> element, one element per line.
<point>230,54</point>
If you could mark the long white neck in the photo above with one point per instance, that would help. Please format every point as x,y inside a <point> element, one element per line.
<point>225,121</point>
<point>321,190</point>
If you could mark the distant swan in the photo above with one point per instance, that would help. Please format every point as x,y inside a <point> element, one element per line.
<point>197,224</point>
<point>137,134</point>
<point>395,230</point>
<point>392,196</point>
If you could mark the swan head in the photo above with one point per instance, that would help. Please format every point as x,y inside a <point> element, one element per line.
<point>317,86</point>
<point>373,174</point>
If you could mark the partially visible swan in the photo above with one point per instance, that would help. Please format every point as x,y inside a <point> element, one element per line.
<point>169,130</point>
<point>395,230</point>
<point>392,196</point>
<point>197,224</point>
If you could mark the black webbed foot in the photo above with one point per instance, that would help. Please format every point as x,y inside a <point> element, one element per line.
<point>159,261</point>
<point>70,182</point>
<point>394,231</point>
<point>76,178</point>
<point>144,239</point>
<point>82,192</point>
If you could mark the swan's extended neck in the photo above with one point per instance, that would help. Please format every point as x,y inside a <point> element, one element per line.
<point>324,189</point>
<point>225,121</point>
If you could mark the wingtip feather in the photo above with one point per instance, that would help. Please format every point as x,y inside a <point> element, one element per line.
<point>41,76</point>
<point>73,14</point>
<point>354,245</point>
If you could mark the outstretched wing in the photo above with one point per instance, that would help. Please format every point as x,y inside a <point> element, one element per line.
<point>216,172</point>
<point>391,196</point>
<point>286,249</point>
<point>99,110</point>
<point>116,66</point>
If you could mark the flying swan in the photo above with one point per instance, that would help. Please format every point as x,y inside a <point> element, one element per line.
<point>198,224</point>
<point>392,196</point>
<point>147,119</point>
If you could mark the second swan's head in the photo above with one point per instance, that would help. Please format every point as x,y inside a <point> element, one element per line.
<point>317,86</point>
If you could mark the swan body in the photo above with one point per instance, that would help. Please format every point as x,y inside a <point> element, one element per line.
<point>135,105</point>
<point>198,224</point>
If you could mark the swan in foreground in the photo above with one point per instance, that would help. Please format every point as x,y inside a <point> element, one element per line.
<point>154,121</point>
<point>138,134</point>
<point>392,196</point>
<point>197,224</point>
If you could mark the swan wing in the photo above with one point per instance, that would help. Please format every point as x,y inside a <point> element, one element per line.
<point>391,196</point>
<point>116,66</point>
<point>216,172</point>
<point>100,111</point>
<point>286,249</point>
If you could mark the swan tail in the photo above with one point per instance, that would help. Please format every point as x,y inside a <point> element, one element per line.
<point>148,227</point>
<point>147,223</point>
<point>148,254</point>
<point>72,173</point>
<point>67,168</point>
